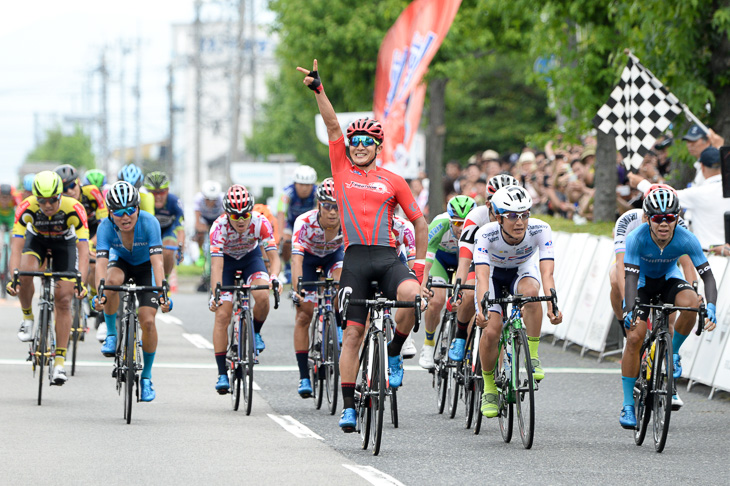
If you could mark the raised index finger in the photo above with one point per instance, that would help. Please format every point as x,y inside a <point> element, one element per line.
<point>315,65</point>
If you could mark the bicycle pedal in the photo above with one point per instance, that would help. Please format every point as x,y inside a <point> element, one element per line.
<point>348,430</point>
<point>114,372</point>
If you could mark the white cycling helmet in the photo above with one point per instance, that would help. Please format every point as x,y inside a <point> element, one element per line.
<point>211,190</point>
<point>305,175</point>
<point>511,199</point>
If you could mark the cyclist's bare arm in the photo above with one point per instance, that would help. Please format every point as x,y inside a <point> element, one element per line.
<point>482,289</point>
<point>334,132</point>
<point>688,268</point>
<point>547,268</point>
<point>621,273</point>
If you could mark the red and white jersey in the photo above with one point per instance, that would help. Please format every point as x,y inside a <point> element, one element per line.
<point>405,236</point>
<point>225,240</point>
<point>309,236</point>
<point>476,218</point>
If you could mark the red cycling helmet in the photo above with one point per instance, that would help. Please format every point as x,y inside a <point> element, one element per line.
<point>654,187</point>
<point>238,200</point>
<point>366,126</point>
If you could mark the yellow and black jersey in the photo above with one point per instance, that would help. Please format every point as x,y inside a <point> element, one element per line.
<point>94,204</point>
<point>69,222</point>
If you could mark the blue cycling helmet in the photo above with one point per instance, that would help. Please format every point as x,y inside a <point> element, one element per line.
<point>122,195</point>
<point>132,174</point>
<point>28,182</point>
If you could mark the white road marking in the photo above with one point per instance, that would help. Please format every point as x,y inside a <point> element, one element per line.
<point>198,341</point>
<point>373,476</point>
<point>297,429</point>
<point>168,319</point>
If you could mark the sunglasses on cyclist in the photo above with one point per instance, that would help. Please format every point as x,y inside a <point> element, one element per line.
<point>237,217</point>
<point>329,206</point>
<point>69,186</point>
<point>364,139</point>
<point>119,213</point>
<point>458,223</point>
<point>660,218</point>
<point>515,216</point>
<point>159,192</point>
<point>48,200</point>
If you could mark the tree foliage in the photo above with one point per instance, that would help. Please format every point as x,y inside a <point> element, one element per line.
<point>74,149</point>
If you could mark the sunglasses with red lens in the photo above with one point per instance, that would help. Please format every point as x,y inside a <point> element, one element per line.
<point>236,217</point>
<point>660,218</point>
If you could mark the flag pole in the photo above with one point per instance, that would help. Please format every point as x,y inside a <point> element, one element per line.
<point>686,110</point>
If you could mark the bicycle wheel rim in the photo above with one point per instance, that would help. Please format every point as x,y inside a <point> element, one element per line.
<point>75,325</point>
<point>364,408</point>
<point>506,408</point>
<point>440,355</point>
<point>377,398</point>
<point>129,370</point>
<point>663,390</point>
<point>41,351</point>
<point>250,360</point>
<point>524,388</point>
<point>331,362</point>
<point>468,382</point>
<point>642,399</point>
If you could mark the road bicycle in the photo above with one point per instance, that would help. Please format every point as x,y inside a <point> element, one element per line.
<point>515,384</point>
<point>128,355</point>
<point>655,385</point>
<point>324,342</point>
<point>372,386</point>
<point>242,354</point>
<point>42,350</point>
<point>79,328</point>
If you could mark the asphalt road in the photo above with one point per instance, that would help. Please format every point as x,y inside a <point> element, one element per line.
<point>190,435</point>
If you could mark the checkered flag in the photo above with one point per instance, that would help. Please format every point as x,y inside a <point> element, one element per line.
<point>639,110</point>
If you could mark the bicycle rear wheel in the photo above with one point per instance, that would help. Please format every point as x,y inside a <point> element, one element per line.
<point>42,350</point>
<point>235,372</point>
<point>75,332</point>
<point>469,381</point>
<point>247,345</point>
<point>129,368</point>
<point>362,401</point>
<point>524,388</point>
<point>663,377</point>
<point>441,358</point>
<point>330,363</point>
<point>377,396</point>
<point>478,387</point>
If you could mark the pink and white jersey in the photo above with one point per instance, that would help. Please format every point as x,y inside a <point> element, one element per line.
<point>491,249</point>
<point>309,236</point>
<point>225,240</point>
<point>405,237</point>
<point>476,218</point>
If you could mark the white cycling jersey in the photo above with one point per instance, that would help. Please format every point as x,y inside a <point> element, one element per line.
<point>491,249</point>
<point>476,218</point>
<point>627,223</point>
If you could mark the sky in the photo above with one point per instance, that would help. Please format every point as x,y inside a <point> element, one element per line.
<point>48,51</point>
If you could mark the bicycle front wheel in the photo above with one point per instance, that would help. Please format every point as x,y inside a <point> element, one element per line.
<point>129,370</point>
<point>249,357</point>
<point>524,387</point>
<point>643,398</point>
<point>506,405</point>
<point>377,396</point>
<point>43,349</point>
<point>75,332</point>
<point>331,363</point>
<point>363,401</point>
<point>235,373</point>
<point>440,359</point>
<point>663,389</point>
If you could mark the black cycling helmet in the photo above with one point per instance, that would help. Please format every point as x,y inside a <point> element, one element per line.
<point>67,172</point>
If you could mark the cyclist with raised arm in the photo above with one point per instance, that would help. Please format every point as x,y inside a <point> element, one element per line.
<point>169,212</point>
<point>367,196</point>
<point>625,224</point>
<point>133,174</point>
<point>317,242</point>
<point>296,199</point>
<point>477,217</point>
<point>234,246</point>
<point>652,251</point>
<point>49,222</point>
<point>503,254</point>
<point>442,255</point>
<point>129,245</point>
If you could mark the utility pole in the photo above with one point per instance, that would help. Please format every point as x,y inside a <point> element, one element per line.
<point>138,108</point>
<point>252,58</point>
<point>198,90</point>
<point>103,119</point>
<point>124,50</point>
<point>170,162</point>
<point>237,75</point>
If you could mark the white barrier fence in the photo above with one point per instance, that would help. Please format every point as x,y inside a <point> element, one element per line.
<point>582,263</point>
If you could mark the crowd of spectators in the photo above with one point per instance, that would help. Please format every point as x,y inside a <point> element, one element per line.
<point>561,177</point>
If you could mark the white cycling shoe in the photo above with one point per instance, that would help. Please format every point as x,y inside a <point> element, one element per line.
<point>25,333</point>
<point>409,348</point>
<point>426,359</point>
<point>101,332</point>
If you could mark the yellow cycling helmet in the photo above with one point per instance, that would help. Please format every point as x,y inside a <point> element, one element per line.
<point>47,184</point>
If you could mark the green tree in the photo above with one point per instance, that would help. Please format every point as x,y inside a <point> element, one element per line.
<point>74,149</point>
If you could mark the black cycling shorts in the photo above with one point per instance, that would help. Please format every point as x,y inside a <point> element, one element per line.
<point>142,275</point>
<point>63,252</point>
<point>364,264</point>
<point>666,290</point>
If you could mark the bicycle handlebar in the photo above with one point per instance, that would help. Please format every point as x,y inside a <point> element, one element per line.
<point>519,300</point>
<point>316,283</point>
<point>133,288</point>
<point>669,308</point>
<point>248,288</point>
<point>384,302</point>
<point>74,275</point>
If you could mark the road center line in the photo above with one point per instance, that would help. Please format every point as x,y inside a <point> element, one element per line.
<point>296,428</point>
<point>373,476</point>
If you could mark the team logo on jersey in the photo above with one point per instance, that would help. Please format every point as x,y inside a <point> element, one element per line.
<point>524,250</point>
<point>378,187</point>
<point>549,243</point>
<point>482,249</point>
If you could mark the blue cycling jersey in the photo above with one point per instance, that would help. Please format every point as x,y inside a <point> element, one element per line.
<point>147,240</point>
<point>297,205</point>
<point>171,214</point>
<point>653,262</point>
